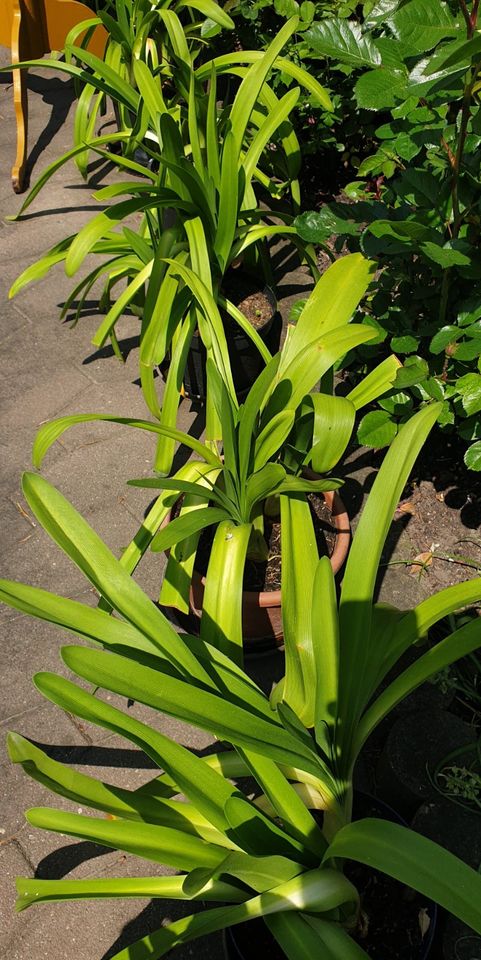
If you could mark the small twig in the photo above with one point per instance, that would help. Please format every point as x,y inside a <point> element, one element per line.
<point>23,513</point>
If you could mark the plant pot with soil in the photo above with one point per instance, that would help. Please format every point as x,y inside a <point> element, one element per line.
<point>259,307</point>
<point>261,596</point>
<point>259,850</point>
<point>394,921</point>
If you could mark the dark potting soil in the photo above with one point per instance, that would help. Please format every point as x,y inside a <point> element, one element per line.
<point>243,291</point>
<point>259,576</point>
<point>394,919</point>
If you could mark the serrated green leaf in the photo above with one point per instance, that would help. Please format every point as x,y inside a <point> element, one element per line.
<point>380,89</point>
<point>343,40</point>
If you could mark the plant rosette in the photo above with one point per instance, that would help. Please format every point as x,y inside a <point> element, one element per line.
<point>196,215</point>
<point>270,858</point>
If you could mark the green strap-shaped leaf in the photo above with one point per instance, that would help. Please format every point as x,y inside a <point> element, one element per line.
<point>221,622</point>
<point>102,79</point>
<point>176,34</point>
<point>253,81</point>
<point>201,784</point>
<point>259,836</point>
<point>245,326</point>
<point>355,610</point>
<point>122,302</point>
<point>213,330</point>
<point>260,232</point>
<point>261,484</point>
<point>252,407</point>
<point>377,382</point>
<point>160,844</point>
<point>331,304</point>
<point>103,222</point>
<point>299,562</point>
<point>453,647</point>
<point>210,711</point>
<point>317,891</point>
<point>272,437</point>
<point>415,861</point>
<point>310,364</point>
<point>224,63</point>
<point>80,542</point>
<point>133,553</point>
<point>78,618</point>
<point>297,819</point>
<point>186,526</point>
<point>333,423</point>
<point>125,804</point>
<point>415,624</point>
<point>51,431</point>
<point>325,645</point>
<point>299,485</point>
<point>150,89</point>
<point>229,200</point>
<point>211,10</point>
<point>175,590</point>
<point>304,936</point>
<point>272,123</point>
<point>170,888</point>
<point>41,267</point>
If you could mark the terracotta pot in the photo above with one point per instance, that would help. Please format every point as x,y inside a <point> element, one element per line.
<point>261,611</point>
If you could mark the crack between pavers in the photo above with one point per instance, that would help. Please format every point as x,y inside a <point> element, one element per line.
<point>15,842</point>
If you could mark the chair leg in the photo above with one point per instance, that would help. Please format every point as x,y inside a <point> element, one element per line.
<point>21,104</point>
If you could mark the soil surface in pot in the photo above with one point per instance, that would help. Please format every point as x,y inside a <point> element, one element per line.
<point>394,919</point>
<point>244,292</point>
<point>260,576</point>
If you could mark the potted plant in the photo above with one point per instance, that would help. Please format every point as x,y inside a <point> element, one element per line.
<point>272,857</point>
<point>200,214</point>
<point>136,30</point>
<point>281,429</point>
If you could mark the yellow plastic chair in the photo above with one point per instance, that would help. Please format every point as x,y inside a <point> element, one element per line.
<point>32,28</point>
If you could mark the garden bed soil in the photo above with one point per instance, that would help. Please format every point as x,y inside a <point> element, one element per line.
<point>460,942</point>
<point>453,826</point>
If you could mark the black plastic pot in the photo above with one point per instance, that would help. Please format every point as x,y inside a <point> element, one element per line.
<point>253,941</point>
<point>416,744</point>
<point>246,361</point>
